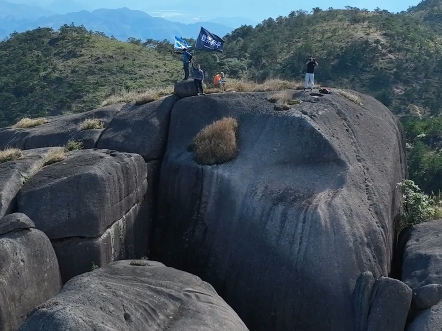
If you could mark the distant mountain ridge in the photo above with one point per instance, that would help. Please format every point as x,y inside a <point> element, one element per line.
<point>121,23</point>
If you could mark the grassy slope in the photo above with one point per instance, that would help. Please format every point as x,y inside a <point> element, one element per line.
<point>393,57</point>
<point>47,72</point>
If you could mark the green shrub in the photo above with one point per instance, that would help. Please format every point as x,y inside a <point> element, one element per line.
<point>216,143</point>
<point>91,123</point>
<point>73,145</point>
<point>417,206</point>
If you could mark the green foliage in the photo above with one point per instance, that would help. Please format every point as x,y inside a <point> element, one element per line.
<point>94,266</point>
<point>417,206</point>
<point>73,145</point>
<point>424,156</point>
<point>46,72</point>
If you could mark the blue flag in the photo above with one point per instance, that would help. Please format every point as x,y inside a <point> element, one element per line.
<point>180,44</point>
<point>209,42</point>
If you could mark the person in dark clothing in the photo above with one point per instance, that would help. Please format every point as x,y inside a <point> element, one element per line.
<point>198,77</point>
<point>187,58</point>
<point>310,76</point>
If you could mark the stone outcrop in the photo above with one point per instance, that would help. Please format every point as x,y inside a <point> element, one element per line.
<point>92,206</point>
<point>140,129</point>
<point>135,296</point>
<point>29,272</point>
<point>421,269</point>
<point>59,130</point>
<point>185,88</point>
<point>13,174</point>
<point>283,231</point>
<point>380,304</point>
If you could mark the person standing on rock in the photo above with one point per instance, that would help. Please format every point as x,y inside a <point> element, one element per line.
<point>187,58</point>
<point>198,77</point>
<point>310,74</point>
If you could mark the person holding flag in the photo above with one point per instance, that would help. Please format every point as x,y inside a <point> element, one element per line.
<point>187,58</point>
<point>181,46</point>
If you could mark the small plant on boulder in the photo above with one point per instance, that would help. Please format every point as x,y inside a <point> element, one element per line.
<point>10,154</point>
<point>91,123</point>
<point>73,145</point>
<point>417,206</point>
<point>350,96</point>
<point>54,156</point>
<point>217,142</point>
<point>30,122</point>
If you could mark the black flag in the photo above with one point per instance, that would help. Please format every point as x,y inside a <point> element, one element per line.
<point>209,42</point>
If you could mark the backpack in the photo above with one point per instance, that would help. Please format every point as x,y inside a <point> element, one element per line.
<point>325,90</point>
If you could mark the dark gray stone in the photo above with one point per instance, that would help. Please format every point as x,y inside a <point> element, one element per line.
<point>143,296</point>
<point>29,272</point>
<point>57,132</point>
<point>389,305</point>
<point>185,88</point>
<point>85,194</point>
<point>15,222</point>
<point>93,206</point>
<point>89,138</point>
<point>362,298</point>
<point>427,296</point>
<point>140,129</point>
<point>13,174</point>
<point>125,239</point>
<point>422,266</point>
<point>284,230</point>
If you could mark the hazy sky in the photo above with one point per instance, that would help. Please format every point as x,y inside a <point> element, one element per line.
<point>256,10</point>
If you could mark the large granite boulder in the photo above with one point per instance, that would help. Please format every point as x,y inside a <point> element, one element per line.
<point>59,130</point>
<point>421,247</point>
<point>29,272</point>
<point>92,206</point>
<point>138,296</point>
<point>140,129</point>
<point>13,174</point>
<point>284,230</point>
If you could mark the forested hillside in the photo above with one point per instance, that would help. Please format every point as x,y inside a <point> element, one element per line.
<point>45,72</point>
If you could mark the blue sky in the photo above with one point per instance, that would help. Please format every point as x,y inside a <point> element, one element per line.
<point>256,10</point>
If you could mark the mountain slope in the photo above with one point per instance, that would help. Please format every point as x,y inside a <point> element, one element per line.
<point>46,72</point>
<point>121,23</point>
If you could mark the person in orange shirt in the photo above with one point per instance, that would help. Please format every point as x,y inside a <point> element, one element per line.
<point>218,81</point>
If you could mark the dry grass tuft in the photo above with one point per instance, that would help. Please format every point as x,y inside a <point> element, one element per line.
<point>10,154</point>
<point>30,122</point>
<point>54,156</point>
<point>281,97</point>
<point>140,98</point>
<point>91,123</point>
<point>267,86</point>
<point>217,143</point>
<point>350,96</point>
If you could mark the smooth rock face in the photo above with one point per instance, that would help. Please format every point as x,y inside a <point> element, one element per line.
<point>29,272</point>
<point>85,194</point>
<point>13,175</point>
<point>140,129</point>
<point>91,206</point>
<point>427,296</point>
<point>389,306</point>
<point>58,131</point>
<point>145,296</point>
<point>422,266</point>
<point>289,225</point>
<point>185,88</point>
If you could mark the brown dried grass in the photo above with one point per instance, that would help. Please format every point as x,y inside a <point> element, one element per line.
<point>10,154</point>
<point>217,142</point>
